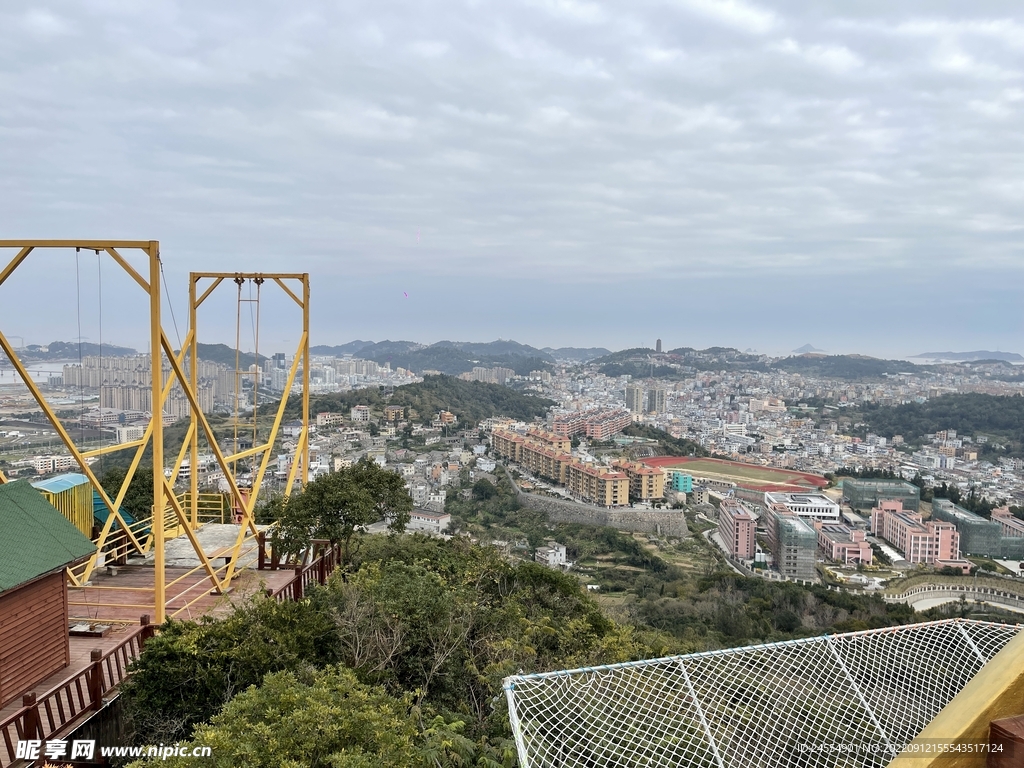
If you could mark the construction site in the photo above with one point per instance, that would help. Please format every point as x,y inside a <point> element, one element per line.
<point>83,580</point>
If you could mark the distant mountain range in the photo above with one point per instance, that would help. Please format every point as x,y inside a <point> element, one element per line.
<point>454,357</point>
<point>70,350</point>
<point>577,354</point>
<point>806,348</point>
<point>966,357</point>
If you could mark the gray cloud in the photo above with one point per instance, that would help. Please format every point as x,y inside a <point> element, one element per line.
<point>475,145</point>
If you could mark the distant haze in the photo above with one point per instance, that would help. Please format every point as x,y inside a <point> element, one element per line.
<point>561,172</point>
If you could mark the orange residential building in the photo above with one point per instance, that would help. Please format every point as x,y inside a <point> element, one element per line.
<point>645,483</point>
<point>597,485</point>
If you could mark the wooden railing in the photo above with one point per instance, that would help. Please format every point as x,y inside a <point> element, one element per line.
<point>55,712</point>
<point>326,559</point>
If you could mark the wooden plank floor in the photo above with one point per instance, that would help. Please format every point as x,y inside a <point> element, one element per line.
<point>128,595</point>
<point>124,614</point>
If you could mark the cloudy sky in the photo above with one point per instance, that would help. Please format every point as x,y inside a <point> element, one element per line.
<point>559,172</point>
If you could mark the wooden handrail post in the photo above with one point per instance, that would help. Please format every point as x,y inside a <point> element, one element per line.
<point>94,679</point>
<point>297,583</point>
<point>261,550</point>
<point>31,724</point>
<point>148,630</point>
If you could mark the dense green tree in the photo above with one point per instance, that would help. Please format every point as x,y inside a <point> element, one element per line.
<point>484,489</point>
<point>325,719</point>
<point>191,669</point>
<point>138,500</point>
<point>334,506</point>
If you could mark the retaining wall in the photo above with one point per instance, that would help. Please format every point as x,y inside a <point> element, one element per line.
<point>667,522</point>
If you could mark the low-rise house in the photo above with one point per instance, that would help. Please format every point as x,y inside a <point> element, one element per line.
<point>37,546</point>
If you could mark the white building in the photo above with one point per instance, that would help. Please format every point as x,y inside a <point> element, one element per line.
<point>553,555</point>
<point>361,413</point>
<point>809,506</point>
<point>428,522</point>
<point>129,434</point>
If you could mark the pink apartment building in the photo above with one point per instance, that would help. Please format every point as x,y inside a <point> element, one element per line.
<point>931,543</point>
<point>1011,526</point>
<point>736,528</point>
<point>843,544</point>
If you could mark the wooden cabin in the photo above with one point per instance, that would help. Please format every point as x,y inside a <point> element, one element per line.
<point>37,545</point>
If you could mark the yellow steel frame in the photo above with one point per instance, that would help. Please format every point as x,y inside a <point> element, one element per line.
<point>154,432</point>
<point>164,498</point>
<point>196,299</point>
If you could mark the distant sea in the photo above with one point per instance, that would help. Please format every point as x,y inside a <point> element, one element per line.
<point>39,372</point>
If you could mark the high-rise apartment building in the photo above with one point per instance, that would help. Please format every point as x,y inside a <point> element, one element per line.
<point>656,400</point>
<point>634,398</point>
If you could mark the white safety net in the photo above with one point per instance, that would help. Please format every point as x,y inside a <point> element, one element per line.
<point>796,703</point>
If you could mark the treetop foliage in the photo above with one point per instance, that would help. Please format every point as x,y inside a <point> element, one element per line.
<point>335,505</point>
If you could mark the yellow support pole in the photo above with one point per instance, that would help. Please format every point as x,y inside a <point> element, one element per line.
<point>278,418</point>
<point>305,378</point>
<point>181,454</point>
<point>157,423</point>
<point>61,431</point>
<point>194,382</point>
<point>211,438</point>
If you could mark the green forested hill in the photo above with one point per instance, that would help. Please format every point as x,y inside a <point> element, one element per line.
<point>969,414</point>
<point>842,366</point>
<point>471,401</point>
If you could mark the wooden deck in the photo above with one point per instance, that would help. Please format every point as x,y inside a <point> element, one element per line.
<point>129,595</point>
<point>98,665</point>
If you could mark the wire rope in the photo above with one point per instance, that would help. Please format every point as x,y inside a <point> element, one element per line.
<point>99,295</point>
<point>81,367</point>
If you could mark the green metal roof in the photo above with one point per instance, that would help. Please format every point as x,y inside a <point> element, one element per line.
<point>35,538</point>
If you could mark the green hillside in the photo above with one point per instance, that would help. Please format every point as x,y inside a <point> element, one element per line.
<point>999,418</point>
<point>851,367</point>
<point>471,401</point>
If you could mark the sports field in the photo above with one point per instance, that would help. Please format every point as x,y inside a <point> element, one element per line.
<point>744,475</point>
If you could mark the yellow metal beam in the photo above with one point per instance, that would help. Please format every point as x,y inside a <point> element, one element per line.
<point>3,478</point>
<point>112,449</point>
<point>249,452</point>
<point>253,275</point>
<point>193,377</point>
<point>92,245</point>
<point>305,378</point>
<point>300,453</point>
<point>115,510</point>
<point>194,404</point>
<point>288,290</point>
<point>15,262</point>
<point>197,302</point>
<point>278,418</point>
<point>183,521</point>
<point>157,426</point>
<point>56,424</point>
<point>128,268</point>
<point>185,445</point>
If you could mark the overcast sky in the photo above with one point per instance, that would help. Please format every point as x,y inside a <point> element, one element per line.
<point>558,172</point>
